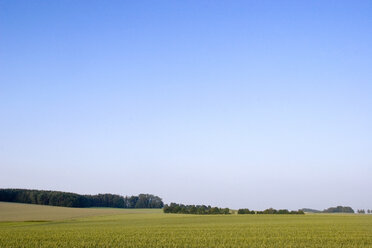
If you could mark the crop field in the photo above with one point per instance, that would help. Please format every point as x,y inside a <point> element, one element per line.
<point>31,212</point>
<point>63,227</point>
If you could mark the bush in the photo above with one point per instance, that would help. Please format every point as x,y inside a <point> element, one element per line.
<point>194,209</point>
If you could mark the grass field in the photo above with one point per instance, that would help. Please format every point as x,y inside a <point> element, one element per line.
<point>60,227</point>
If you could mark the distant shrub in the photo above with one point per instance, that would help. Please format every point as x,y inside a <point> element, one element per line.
<point>245,211</point>
<point>193,209</point>
<point>269,211</point>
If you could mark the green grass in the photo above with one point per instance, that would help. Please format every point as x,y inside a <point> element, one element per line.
<point>152,228</point>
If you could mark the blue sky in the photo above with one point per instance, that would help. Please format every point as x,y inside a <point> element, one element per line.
<point>231,103</point>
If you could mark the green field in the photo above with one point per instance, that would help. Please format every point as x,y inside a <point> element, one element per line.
<point>23,225</point>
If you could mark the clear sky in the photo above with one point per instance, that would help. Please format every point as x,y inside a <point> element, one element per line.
<point>231,103</point>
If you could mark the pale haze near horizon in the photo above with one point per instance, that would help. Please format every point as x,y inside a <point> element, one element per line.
<point>237,104</point>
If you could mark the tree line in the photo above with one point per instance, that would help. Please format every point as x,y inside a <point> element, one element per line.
<point>193,209</point>
<point>66,199</point>
<point>362,211</point>
<point>339,209</point>
<point>269,211</point>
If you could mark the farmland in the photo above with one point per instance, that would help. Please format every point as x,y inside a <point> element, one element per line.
<point>23,225</point>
